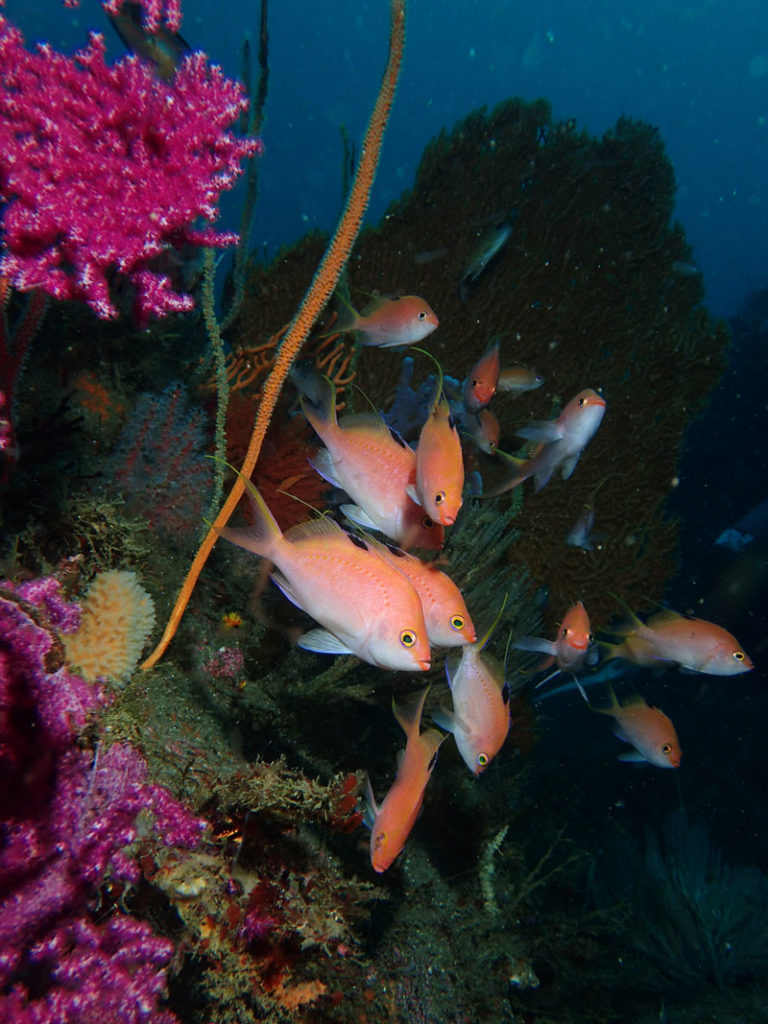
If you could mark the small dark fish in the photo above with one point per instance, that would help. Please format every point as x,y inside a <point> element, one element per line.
<point>162,48</point>
<point>489,243</point>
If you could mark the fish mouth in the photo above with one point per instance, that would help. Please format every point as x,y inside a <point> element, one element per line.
<point>424,664</point>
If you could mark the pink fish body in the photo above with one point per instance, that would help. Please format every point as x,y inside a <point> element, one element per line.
<point>480,386</point>
<point>392,822</point>
<point>694,644</point>
<point>569,651</point>
<point>389,322</point>
<point>479,720</point>
<point>562,442</point>
<point>647,729</point>
<point>439,466</point>
<point>363,457</point>
<point>445,613</point>
<point>365,606</point>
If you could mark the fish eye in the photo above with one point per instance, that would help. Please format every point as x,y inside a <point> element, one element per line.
<point>440,497</point>
<point>564,631</point>
<point>457,622</point>
<point>482,760</point>
<point>738,655</point>
<point>590,638</point>
<point>427,523</point>
<point>667,748</point>
<point>582,401</point>
<point>407,638</point>
<point>422,314</point>
<point>381,838</point>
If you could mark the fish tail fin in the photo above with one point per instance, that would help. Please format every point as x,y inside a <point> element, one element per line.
<point>347,316</point>
<point>520,470</point>
<point>318,396</point>
<point>634,622</point>
<point>262,537</point>
<point>409,716</point>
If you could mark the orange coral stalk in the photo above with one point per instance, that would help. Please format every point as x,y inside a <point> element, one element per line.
<point>320,290</point>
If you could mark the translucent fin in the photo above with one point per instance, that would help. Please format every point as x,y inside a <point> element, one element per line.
<point>322,642</point>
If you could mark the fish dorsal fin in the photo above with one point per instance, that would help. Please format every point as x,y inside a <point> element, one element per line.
<point>323,526</point>
<point>409,716</point>
<point>438,381</point>
<point>665,617</point>
<point>371,422</point>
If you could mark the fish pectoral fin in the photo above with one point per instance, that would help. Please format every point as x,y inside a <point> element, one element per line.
<point>447,720</point>
<point>536,643</point>
<point>632,757</point>
<point>540,430</point>
<point>412,493</point>
<point>282,583</point>
<point>322,642</point>
<point>569,465</point>
<point>323,463</point>
<point>358,516</point>
<point>371,808</point>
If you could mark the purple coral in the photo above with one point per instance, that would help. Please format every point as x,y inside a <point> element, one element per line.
<point>68,816</point>
<point>103,168</point>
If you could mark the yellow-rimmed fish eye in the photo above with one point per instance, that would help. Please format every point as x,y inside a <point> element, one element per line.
<point>422,314</point>
<point>482,760</point>
<point>408,638</point>
<point>590,638</point>
<point>428,523</point>
<point>738,655</point>
<point>440,497</point>
<point>667,748</point>
<point>457,622</point>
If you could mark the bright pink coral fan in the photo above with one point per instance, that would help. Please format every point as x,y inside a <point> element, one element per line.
<point>103,168</point>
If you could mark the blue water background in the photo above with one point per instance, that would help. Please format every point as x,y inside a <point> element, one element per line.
<point>698,71</point>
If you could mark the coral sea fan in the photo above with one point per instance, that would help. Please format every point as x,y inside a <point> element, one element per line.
<point>103,168</point>
<point>68,814</point>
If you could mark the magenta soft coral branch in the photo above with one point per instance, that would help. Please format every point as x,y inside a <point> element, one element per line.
<point>104,168</point>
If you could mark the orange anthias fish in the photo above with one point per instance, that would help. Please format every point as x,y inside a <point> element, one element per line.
<point>389,321</point>
<point>391,823</point>
<point>646,728</point>
<point>695,645</point>
<point>480,386</point>
<point>439,464</point>
<point>569,651</point>
<point>480,717</point>
<point>365,606</point>
<point>363,457</point>
<point>562,442</point>
<point>482,427</point>
<point>518,380</point>
<point>445,613</point>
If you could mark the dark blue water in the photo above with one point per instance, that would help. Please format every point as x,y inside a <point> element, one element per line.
<point>699,71</point>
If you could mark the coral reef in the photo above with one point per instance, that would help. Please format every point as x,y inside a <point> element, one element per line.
<point>69,813</point>
<point>105,166</point>
<point>698,920</point>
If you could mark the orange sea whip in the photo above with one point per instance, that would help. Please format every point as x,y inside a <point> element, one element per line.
<point>313,303</point>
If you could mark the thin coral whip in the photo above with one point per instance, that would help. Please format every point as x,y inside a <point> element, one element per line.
<point>319,292</point>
